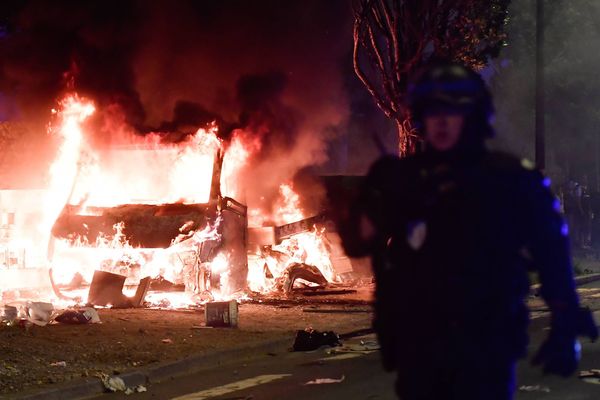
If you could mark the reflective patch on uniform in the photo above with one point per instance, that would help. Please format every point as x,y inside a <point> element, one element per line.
<point>527,164</point>
<point>416,232</point>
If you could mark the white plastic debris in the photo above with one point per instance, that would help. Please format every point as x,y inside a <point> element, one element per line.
<point>92,315</point>
<point>114,383</point>
<point>39,313</point>
<point>322,381</point>
<point>59,364</point>
<point>137,389</point>
<point>534,388</point>
<point>141,389</point>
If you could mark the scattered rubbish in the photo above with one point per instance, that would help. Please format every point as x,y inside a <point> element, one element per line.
<point>201,327</point>
<point>364,347</point>
<point>335,310</point>
<point>113,383</point>
<point>137,300</point>
<point>117,384</point>
<point>79,317</point>
<point>221,314</point>
<point>39,313</point>
<point>167,341</point>
<point>301,271</point>
<point>107,289</point>
<point>321,381</point>
<point>590,376</point>
<point>534,388</point>
<point>137,389</point>
<point>328,292</point>
<point>59,364</point>
<point>8,314</point>
<point>310,339</point>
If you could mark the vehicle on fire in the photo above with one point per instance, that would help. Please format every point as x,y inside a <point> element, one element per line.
<point>174,243</point>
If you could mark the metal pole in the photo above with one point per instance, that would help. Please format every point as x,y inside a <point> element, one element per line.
<point>540,127</point>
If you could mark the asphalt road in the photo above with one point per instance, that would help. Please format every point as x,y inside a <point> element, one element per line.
<point>285,376</point>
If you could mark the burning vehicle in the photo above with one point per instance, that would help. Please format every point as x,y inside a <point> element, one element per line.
<point>168,217</point>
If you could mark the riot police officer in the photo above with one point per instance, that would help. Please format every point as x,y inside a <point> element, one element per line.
<point>452,232</point>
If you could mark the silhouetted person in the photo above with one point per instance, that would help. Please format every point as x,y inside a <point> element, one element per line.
<point>452,232</point>
<point>574,212</point>
<point>595,229</point>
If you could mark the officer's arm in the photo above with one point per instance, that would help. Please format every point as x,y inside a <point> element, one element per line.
<point>549,245</point>
<point>548,242</point>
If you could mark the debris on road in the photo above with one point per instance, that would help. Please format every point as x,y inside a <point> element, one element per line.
<point>534,388</point>
<point>116,384</point>
<point>321,381</point>
<point>113,383</point>
<point>590,376</point>
<point>137,389</point>
<point>79,317</point>
<point>8,314</point>
<point>39,313</point>
<point>314,292</point>
<point>167,341</point>
<point>221,314</point>
<point>364,347</point>
<point>107,347</point>
<point>310,339</point>
<point>201,327</point>
<point>59,364</point>
<point>335,310</point>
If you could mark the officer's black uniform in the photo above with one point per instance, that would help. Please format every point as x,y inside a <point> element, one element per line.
<point>456,233</point>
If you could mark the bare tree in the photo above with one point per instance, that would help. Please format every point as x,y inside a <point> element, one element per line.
<point>399,36</point>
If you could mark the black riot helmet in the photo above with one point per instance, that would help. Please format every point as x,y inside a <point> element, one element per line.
<point>452,87</point>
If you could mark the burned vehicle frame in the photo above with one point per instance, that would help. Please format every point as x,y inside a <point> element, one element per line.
<point>172,227</point>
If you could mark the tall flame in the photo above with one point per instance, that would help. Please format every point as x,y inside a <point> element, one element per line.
<point>72,113</point>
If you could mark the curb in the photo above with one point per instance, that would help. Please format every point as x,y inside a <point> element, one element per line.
<point>579,281</point>
<point>93,386</point>
<point>585,279</point>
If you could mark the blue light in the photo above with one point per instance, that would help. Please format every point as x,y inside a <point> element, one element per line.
<point>556,205</point>
<point>577,349</point>
<point>547,182</point>
<point>564,229</point>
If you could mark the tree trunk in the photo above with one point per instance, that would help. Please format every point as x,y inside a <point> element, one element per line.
<point>407,139</point>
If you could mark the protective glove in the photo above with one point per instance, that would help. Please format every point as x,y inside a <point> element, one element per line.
<point>561,352</point>
<point>559,355</point>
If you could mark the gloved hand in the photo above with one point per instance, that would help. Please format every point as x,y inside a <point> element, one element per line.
<point>561,352</point>
<point>559,355</point>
